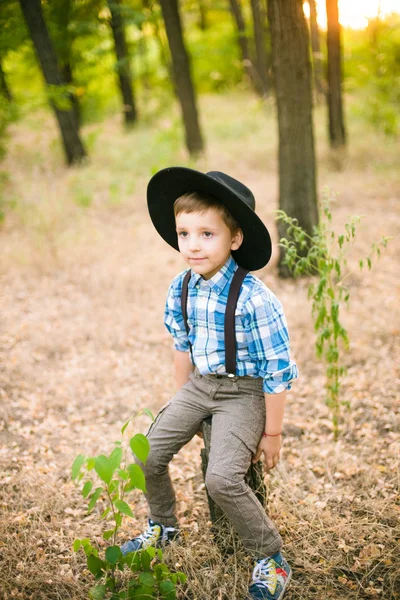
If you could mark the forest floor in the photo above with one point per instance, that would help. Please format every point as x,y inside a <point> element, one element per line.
<point>83,282</point>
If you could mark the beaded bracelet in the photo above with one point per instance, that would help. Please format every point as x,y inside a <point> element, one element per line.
<point>271,434</point>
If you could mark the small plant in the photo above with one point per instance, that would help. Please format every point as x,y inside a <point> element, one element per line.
<point>150,578</point>
<point>323,254</point>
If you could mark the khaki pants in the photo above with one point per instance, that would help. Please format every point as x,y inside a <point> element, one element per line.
<point>237,407</point>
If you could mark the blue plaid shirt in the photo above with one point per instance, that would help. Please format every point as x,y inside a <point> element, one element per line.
<point>262,340</point>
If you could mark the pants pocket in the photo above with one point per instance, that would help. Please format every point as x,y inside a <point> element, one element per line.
<point>157,418</point>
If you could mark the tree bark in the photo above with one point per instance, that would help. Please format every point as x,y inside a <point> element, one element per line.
<point>292,69</point>
<point>182,76</point>
<point>4,89</point>
<point>260,34</point>
<point>243,41</point>
<point>316,51</point>
<point>337,133</point>
<point>60,15</point>
<point>123,66</point>
<point>254,478</point>
<point>32,11</point>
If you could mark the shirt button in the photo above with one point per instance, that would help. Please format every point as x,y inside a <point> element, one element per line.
<point>197,286</point>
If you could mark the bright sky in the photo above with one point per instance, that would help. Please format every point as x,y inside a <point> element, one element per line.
<point>355,13</point>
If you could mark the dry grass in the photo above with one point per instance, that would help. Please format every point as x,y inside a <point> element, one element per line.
<point>82,346</point>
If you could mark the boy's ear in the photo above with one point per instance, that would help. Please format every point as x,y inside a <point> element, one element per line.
<point>237,240</point>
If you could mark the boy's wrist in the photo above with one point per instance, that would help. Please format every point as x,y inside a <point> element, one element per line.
<point>266,434</point>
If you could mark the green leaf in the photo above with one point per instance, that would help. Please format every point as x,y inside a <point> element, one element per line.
<point>140,446</point>
<point>113,554</point>
<point>76,545</point>
<point>182,577</point>
<point>87,488</point>
<point>146,560</point>
<point>108,534</point>
<point>116,457</point>
<point>97,592</point>
<point>76,465</point>
<point>95,565</point>
<point>104,468</point>
<point>125,426</point>
<point>123,508</point>
<point>147,579</point>
<point>105,513</point>
<point>137,477</point>
<point>148,412</point>
<point>90,464</point>
<point>123,474</point>
<point>167,590</point>
<point>94,497</point>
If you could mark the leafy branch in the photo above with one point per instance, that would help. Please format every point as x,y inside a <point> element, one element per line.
<point>324,255</point>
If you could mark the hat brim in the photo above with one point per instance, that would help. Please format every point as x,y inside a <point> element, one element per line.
<point>168,184</point>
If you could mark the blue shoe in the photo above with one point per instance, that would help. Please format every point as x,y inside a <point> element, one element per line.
<point>271,578</point>
<point>156,535</point>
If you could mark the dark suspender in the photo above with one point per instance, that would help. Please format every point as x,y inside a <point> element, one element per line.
<point>184,297</point>
<point>229,322</point>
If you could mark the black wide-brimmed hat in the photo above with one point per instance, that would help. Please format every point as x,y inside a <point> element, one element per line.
<point>169,184</point>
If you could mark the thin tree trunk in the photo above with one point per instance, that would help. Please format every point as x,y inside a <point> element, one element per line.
<point>203,23</point>
<point>316,51</point>
<point>337,133</point>
<point>124,66</point>
<point>260,34</point>
<point>4,89</point>
<point>63,15</point>
<point>32,11</point>
<point>66,71</point>
<point>291,61</point>
<point>247,61</point>
<point>182,76</point>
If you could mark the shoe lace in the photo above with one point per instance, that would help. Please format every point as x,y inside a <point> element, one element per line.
<point>150,535</point>
<point>264,572</point>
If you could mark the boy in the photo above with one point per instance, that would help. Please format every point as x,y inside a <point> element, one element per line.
<point>210,219</point>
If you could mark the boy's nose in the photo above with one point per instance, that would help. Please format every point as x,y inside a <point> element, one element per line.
<point>194,243</point>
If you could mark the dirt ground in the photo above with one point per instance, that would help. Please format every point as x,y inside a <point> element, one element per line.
<point>82,347</point>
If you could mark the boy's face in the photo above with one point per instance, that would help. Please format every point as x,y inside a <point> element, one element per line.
<point>205,241</point>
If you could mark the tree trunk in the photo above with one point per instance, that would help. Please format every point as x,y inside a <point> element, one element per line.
<point>254,478</point>
<point>297,169</point>
<point>4,89</point>
<point>32,11</point>
<point>61,14</point>
<point>66,71</point>
<point>203,24</point>
<point>337,134</point>
<point>247,61</point>
<point>182,76</point>
<point>123,66</point>
<point>316,51</point>
<point>260,34</point>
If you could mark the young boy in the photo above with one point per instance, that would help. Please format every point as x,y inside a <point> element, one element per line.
<point>210,219</point>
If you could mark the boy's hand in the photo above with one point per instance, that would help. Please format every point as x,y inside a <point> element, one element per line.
<point>270,446</point>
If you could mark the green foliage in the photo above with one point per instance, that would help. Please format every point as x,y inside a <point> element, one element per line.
<point>149,577</point>
<point>323,255</point>
<point>372,68</point>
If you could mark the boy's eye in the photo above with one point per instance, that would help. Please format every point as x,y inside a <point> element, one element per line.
<point>208,234</point>
<point>182,234</point>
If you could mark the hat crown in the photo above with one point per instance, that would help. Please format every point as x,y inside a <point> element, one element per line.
<point>235,186</point>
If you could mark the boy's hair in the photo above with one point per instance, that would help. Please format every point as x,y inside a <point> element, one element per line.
<point>193,202</point>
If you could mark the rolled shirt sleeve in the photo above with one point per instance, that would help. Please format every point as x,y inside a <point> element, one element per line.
<point>173,318</point>
<point>268,342</point>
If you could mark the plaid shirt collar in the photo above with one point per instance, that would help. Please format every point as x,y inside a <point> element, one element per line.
<point>218,282</point>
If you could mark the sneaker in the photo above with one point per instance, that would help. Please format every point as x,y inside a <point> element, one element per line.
<point>156,535</point>
<point>271,578</point>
